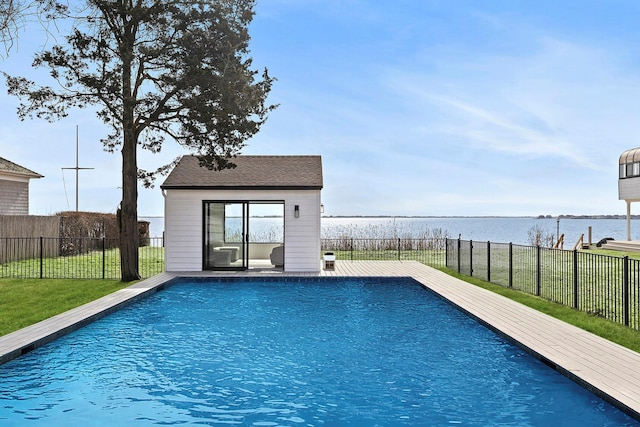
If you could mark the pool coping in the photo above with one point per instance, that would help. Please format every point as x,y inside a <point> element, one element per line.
<point>607,369</point>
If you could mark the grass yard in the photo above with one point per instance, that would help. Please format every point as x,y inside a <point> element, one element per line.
<point>92,265</point>
<point>24,302</point>
<point>608,252</point>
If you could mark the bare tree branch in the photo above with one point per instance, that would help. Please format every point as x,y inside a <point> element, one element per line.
<point>15,15</point>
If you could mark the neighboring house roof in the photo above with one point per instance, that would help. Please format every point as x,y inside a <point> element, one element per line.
<point>630,156</point>
<point>251,172</point>
<point>10,168</point>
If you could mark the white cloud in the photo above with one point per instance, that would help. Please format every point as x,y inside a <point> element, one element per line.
<point>562,101</point>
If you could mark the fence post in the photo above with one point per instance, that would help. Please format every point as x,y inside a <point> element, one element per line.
<point>575,278</point>
<point>625,290</point>
<point>538,272</point>
<point>488,261</point>
<point>446,252</point>
<point>352,249</point>
<point>41,256</point>
<point>510,265</point>
<point>470,258</point>
<point>103,258</point>
<point>458,255</point>
<point>398,249</point>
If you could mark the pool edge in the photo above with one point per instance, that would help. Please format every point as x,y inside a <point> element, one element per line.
<point>22,341</point>
<point>598,375</point>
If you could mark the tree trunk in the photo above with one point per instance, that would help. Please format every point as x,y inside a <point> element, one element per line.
<point>129,235</point>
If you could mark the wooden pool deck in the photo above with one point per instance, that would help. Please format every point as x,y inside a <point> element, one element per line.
<point>609,370</point>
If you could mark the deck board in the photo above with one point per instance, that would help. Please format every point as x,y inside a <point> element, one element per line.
<point>606,368</point>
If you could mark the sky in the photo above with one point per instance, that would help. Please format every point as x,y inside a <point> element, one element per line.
<point>417,107</point>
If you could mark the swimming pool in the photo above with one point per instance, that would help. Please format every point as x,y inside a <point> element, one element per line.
<point>291,352</point>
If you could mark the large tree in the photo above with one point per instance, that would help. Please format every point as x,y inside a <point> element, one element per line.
<point>156,69</point>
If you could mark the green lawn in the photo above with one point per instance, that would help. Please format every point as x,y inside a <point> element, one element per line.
<point>608,252</point>
<point>24,302</point>
<point>91,265</point>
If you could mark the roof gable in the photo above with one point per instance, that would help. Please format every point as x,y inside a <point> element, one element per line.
<point>7,167</point>
<point>251,172</point>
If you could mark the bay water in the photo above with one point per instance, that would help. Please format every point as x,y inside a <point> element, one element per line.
<point>514,230</point>
<point>494,229</point>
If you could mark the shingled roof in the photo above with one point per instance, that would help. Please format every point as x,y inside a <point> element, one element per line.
<point>8,167</point>
<point>251,172</point>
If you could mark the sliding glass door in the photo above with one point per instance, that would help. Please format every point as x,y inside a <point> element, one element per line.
<point>225,235</point>
<point>228,243</point>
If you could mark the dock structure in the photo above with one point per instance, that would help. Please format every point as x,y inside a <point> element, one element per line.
<point>622,245</point>
<point>629,181</point>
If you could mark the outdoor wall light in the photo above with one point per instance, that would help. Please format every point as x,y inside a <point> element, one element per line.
<point>296,211</point>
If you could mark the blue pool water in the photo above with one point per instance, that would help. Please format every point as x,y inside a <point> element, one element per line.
<point>292,353</point>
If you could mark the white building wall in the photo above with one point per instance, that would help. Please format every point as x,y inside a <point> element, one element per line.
<point>302,234</point>
<point>14,196</point>
<point>182,231</point>
<point>184,225</point>
<point>629,189</point>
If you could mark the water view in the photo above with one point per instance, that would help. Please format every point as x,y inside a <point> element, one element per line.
<point>494,229</point>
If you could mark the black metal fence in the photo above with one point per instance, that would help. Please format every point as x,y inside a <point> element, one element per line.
<point>605,286</point>
<point>602,285</point>
<point>430,251</point>
<point>74,258</point>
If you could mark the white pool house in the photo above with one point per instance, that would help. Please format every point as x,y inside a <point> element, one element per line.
<point>211,217</point>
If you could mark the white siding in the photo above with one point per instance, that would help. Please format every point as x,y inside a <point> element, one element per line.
<point>302,234</point>
<point>14,197</point>
<point>183,226</point>
<point>183,231</point>
<point>629,189</point>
